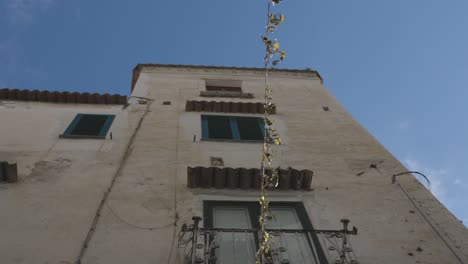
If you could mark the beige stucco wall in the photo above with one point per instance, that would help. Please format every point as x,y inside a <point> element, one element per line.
<point>151,192</point>
<point>44,217</point>
<point>153,189</point>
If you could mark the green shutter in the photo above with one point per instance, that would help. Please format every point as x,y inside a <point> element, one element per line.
<point>72,125</point>
<point>204,123</point>
<point>89,126</point>
<point>261,125</point>
<point>234,127</point>
<point>106,126</point>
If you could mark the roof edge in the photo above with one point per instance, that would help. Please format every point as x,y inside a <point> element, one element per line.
<point>62,97</point>
<point>140,66</point>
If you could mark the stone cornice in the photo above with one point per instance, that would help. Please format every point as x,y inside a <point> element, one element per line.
<point>195,69</point>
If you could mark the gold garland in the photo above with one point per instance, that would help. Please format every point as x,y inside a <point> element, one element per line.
<point>273,55</point>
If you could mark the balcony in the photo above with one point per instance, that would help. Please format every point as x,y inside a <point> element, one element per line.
<point>289,246</point>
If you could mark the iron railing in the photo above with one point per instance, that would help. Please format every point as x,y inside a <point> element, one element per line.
<point>327,246</point>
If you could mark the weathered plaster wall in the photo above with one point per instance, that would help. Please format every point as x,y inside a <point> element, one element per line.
<point>44,217</point>
<point>152,190</point>
<point>48,214</point>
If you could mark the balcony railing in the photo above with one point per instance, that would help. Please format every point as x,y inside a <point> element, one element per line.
<point>289,246</point>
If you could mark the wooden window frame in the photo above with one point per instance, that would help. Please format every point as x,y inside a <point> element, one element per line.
<point>236,136</point>
<point>102,133</point>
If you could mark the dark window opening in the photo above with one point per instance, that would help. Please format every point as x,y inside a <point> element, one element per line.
<point>89,126</point>
<point>224,89</point>
<point>249,128</point>
<point>219,127</point>
<point>232,128</point>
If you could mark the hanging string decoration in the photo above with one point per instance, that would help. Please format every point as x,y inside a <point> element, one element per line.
<point>269,179</point>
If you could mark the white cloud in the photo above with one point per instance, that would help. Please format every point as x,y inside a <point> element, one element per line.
<point>435,176</point>
<point>24,11</point>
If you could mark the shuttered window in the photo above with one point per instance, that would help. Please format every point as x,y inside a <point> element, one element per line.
<point>232,128</point>
<point>89,126</point>
<point>235,226</point>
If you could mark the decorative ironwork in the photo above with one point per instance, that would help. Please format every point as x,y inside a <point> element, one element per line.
<point>200,244</point>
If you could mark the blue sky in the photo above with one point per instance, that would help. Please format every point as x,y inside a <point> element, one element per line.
<point>400,67</point>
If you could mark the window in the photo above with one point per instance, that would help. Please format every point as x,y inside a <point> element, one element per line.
<point>224,88</point>
<point>235,227</point>
<point>89,126</point>
<point>232,128</point>
<point>224,85</point>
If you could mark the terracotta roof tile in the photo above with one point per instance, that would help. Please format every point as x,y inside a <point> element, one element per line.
<point>243,178</point>
<point>61,97</point>
<point>225,107</point>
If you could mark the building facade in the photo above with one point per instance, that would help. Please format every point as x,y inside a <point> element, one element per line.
<point>106,179</point>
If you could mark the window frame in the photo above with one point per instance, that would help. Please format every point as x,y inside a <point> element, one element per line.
<point>235,132</point>
<point>102,133</point>
<point>253,208</point>
<point>224,89</point>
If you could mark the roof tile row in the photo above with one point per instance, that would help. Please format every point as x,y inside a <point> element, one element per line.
<point>61,97</point>
<point>232,178</point>
<point>226,107</point>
